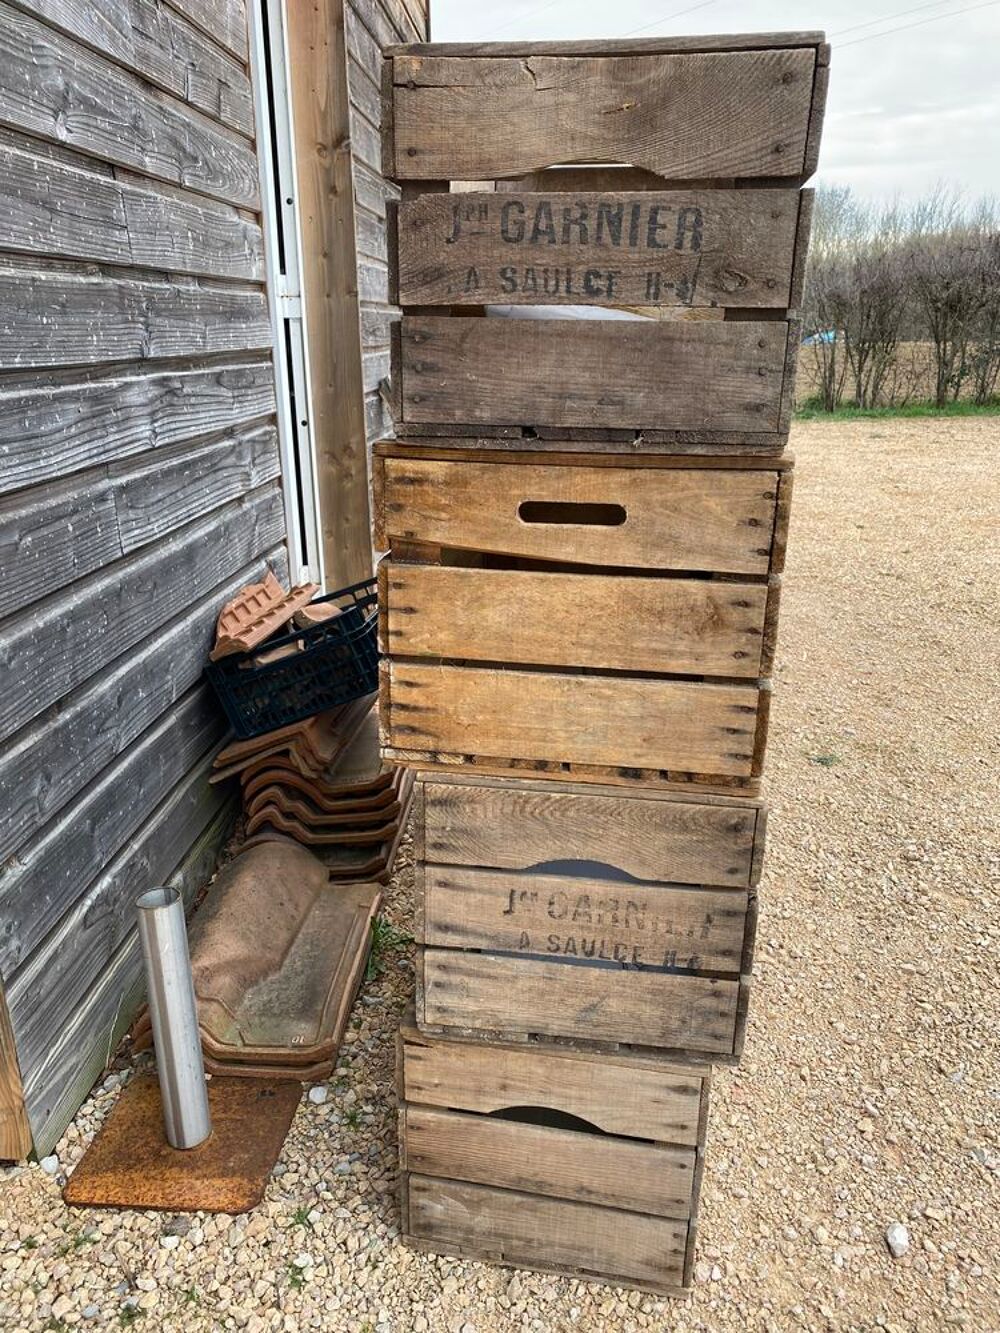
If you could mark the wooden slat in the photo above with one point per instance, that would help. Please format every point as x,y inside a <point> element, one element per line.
<point>695,626</point>
<point>61,970</point>
<point>53,428</point>
<point>49,873</point>
<point>610,721</point>
<point>151,40</point>
<point>59,91</point>
<point>320,96</point>
<point>628,46</point>
<point>652,925</point>
<point>63,531</point>
<point>498,993</point>
<point>113,222</point>
<point>223,20</point>
<point>635,1096</point>
<point>518,825</point>
<point>703,377</point>
<point>589,1168</point>
<point>714,520</point>
<point>98,722</point>
<point>68,638</point>
<point>685,116</point>
<point>15,1132</point>
<point>56,319</point>
<point>87,1039</point>
<point>524,1229</point>
<point>692,248</point>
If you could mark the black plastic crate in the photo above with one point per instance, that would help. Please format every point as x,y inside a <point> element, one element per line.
<point>337,661</point>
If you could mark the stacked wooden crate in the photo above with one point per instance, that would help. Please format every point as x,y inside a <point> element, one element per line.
<point>586,523</point>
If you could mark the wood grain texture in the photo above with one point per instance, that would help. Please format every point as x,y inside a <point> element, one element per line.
<point>609,721</point>
<point>55,427</point>
<point>683,116</point>
<point>153,41</point>
<point>520,825</point>
<point>51,649</point>
<point>63,531</point>
<point>62,969</point>
<point>703,377</point>
<point>525,1230</point>
<point>507,995</point>
<point>323,147</point>
<point>85,1042</point>
<point>692,248</point>
<point>61,92</point>
<point>687,626</point>
<point>627,46</point>
<point>712,520</point>
<point>636,1096</point>
<point>223,20</point>
<point>15,1131</point>
<point>114,222</point>
<point>55,319</point>
<point>48,874</point>
<point>589,1168</point>
<point>582,916</point>
<point>65,748</point>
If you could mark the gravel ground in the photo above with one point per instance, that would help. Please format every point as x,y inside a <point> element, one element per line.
<point>869,1094</point>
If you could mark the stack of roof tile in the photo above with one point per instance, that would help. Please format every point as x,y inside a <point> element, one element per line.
<point>323,783</point>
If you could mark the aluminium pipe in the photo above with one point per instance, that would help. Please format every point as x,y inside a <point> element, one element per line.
<point>174,1015</point>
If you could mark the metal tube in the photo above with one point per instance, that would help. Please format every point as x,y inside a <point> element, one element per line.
<point>174,1015</point>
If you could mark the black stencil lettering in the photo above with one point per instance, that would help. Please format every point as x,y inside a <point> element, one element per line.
<point>512,221</point>
<point>577,222</point>
<point>653,287</point>
<point>593,284</point>
<point>653,226</point>
<point>609,224</point>
<point>689,224</point>
<point>544,225</point>
<point>472,283</point>
<point>508,278</point>
<point>635,217</point>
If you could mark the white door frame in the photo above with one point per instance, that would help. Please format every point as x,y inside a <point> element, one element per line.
<point>283,251</point>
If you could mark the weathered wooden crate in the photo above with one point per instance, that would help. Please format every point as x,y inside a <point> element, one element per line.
<point>683,235</point>
<point>611,623</point>
<point>551,1158</point>
<point>621,919</point>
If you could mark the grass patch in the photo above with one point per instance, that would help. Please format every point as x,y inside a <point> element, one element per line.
<point>812,410</point>
<point>824,760</point>
<point>386,938</point>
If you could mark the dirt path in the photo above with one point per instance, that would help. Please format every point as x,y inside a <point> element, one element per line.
<point>870,1090</point>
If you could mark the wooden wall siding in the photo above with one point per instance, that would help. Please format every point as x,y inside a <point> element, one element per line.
<point>139,488</point>
<point>336,62</point>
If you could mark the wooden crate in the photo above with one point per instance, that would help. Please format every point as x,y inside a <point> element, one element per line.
<point>586,913</point>
<point>548,1157</point>
<point>519,594</point>
<point>710,269</point>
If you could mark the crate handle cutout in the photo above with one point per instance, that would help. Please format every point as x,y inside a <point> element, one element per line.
<point>568,512</point>
<point>548,1117</point>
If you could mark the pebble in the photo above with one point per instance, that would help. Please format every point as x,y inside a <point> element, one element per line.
<point>897,1237</point>
<point>50,1164</point>
<point>318,1095</point>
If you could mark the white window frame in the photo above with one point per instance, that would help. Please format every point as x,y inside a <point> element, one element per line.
<point>282,251</point>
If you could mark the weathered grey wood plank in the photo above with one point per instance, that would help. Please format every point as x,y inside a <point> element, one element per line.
<point>48,874</point>
<point>628,46</point>
<point>151,40</point>
<point>61,532</point>
<point>49,649</point>
<point>56,977</point>
<point>52,428</point>
<point>223,20</point>
<point>684,248</point>
<point>47,208</point>
<point>683,116</point>
<point>79,1056</point>
<point>706,377</point>
<point>51,318</point>
<point>67,746</point>
<point>60,91</point>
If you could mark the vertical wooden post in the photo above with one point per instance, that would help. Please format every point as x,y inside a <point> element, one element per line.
<point>15,1132</point>
<point>321,109</point>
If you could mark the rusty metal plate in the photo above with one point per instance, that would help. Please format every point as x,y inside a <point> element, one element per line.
<point>131,1165</point>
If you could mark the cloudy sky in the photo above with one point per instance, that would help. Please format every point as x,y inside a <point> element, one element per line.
<point>914,92</point>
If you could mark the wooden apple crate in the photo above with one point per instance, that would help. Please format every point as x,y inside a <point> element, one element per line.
<point>616,918</point>
<point>550,1158</point>
<point>704,233</point>
<point>580,618</point>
